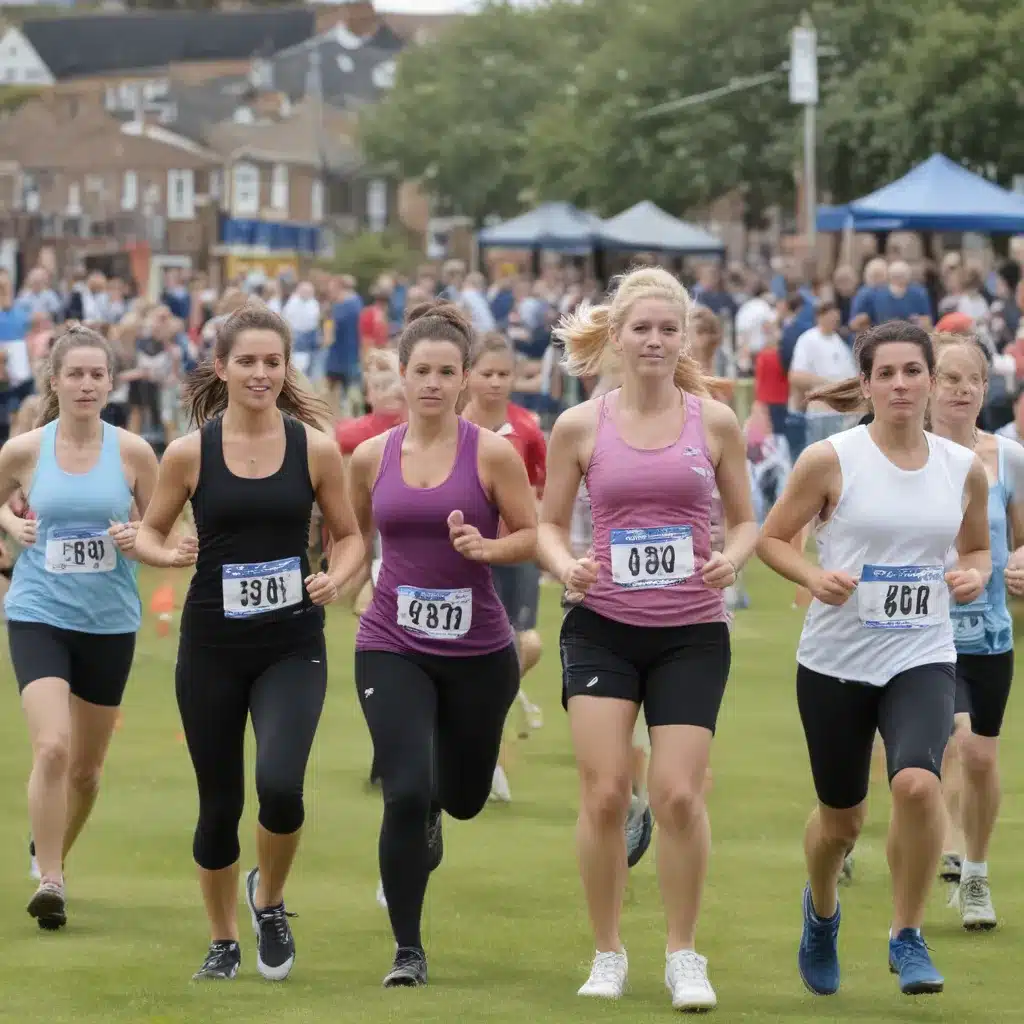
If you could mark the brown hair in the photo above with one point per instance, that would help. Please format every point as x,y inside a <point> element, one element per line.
<point>205,395</point>
<point>436,321</point>
<point>492,341</point>
<point>704,321</point>
<point>846,395</point>
<point>74,335</point>
<point>587,331</point>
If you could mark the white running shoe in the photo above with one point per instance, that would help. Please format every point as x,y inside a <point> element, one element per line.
<point>974,901</point>
<point>607,976</point>
<point>499,786</point>
<point>382,900</point>
<point>33,864</point>
<point>686,977</point>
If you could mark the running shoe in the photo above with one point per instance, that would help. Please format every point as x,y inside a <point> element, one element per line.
<point>435,839</point>
<point>639,829</point>
<point>49,906</point>
<point>846,875</point>
<point>608,975</point>
<point>409,969</point>
<point>686,977</point>
<point>909,958</point>
<point>500,789</point>
<point>275,943</point>
<point>950,867</point>
<point>818,956</point>
<point>223,959</point>
<point>974,901</point>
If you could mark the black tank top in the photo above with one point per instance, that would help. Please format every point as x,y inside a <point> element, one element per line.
<point>253,539</point>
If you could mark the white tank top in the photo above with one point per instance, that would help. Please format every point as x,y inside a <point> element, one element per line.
<point>891,529</point>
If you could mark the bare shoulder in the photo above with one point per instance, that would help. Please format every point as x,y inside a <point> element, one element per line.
<point>134,446</point>
<point>24,449</point>
<point>577,423</point>
<point>319,443</point>
<point>816,459</point>
<point>718,417</point>
<point>365,460</point>
<point>183,452</point>
<point>495,449</point>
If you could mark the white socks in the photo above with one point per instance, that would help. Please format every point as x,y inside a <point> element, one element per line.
<point>974,869</point>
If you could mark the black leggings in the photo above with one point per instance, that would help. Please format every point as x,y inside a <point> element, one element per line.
<point>436,725</point>
<point>283,688</point>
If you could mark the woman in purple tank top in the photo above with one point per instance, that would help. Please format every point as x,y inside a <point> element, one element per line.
<point>436,667</point>
<point>649,627</point>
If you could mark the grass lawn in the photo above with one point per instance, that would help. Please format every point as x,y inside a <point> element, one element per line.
<point>505,927</point>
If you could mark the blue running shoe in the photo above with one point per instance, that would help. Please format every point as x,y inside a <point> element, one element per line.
<point>908,957</point>
<point>818,958</point>
<point>639,829</point>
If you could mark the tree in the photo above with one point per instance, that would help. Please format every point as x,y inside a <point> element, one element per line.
<point>457,114</point>
<point>952,85</point>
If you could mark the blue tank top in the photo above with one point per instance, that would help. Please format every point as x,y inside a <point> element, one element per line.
<point>74,577</point>
<point>985,626</point>
<point>428,599</point>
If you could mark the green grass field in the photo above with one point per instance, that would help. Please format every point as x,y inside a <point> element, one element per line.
<point>505,927</point>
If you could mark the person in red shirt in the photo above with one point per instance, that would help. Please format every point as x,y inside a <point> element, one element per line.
<point>492,368</point>
<point>373,321</point>
<point>771,384</point>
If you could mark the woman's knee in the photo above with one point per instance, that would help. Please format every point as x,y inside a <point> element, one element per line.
<point>51,753</point>
<point>282,810</point>
<point>677,806</point>
<point>842,825</point>
<point>604,796</point>
<point>915,788</point>
<point>85,778</point>
<point>978,754</point>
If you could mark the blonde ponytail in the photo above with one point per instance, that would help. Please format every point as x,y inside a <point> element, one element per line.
<point>585,334</point>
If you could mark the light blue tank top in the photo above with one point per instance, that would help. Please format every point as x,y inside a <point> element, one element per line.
<point>74,577</point>
<point>985,626</point>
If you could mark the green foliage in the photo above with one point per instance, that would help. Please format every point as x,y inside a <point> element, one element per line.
<point>368,255</point>
<point>13,96</point>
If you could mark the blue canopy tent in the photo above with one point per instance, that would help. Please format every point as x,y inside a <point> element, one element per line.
<point>646,227</point>
<point>833,219</point>
<point>556,226</point>
<point>940,195</point>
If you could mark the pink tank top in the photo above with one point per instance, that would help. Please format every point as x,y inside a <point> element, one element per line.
<point>652,525</point>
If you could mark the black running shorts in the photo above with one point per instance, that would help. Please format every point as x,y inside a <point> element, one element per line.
<point>95,665</point>
<point>913,712</point>
<point>678,673</point>
<point>518,588</point>
<point>982,689</point>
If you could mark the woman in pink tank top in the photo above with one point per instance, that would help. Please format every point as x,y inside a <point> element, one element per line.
<point>650,628</point>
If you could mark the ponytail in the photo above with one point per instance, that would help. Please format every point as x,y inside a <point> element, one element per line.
<point>585,334</point>
<point>844,396</point>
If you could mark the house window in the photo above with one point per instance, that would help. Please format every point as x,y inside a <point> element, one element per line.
<point>279,189</point>
<point>377,204</point>
<point>216,185</point>
<point>74,200</point>
<point>181,197</point>
<point>130,191</point>
<point>245,190</point>
<point>316,201</point>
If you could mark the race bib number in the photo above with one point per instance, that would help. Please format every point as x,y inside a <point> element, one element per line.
<point>438,614</point>
<point>656,557</point>
<point>902,596</point>
<point>255,588</point>
<point>81,549</point>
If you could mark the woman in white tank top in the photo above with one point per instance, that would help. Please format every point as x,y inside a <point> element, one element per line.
<point>889,501</point>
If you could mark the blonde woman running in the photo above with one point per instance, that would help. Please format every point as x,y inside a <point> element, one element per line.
<point>651,627</point>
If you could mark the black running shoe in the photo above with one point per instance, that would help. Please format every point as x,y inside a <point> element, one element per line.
<point>409,969</point>
<point>639,829</point>
<point>274,940</point>
<point>950,867</point>
<point>49,907</point>
<point>435,839</point>
<point>223,959</point>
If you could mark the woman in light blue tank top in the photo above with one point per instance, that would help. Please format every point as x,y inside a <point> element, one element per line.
<point>983,630</point>
<point>73,606</point>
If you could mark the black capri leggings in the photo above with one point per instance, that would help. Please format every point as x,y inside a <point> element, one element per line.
<point>436,725</point>
<point>282,686</point>
<point>913,712</point>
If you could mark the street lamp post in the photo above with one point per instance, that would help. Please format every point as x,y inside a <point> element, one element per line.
<point>803,91</point>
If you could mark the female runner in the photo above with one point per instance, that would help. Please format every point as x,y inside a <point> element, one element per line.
<point>252,631</point>
<point>73,606</point>
<point>436,667</point>
<point>651,629</point>
<point>982,629</point>
<point>877,648</point>
<point>491,376</point>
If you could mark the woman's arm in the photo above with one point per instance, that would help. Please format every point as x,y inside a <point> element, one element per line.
<point>363,466</point>
<point>733,485</point>
<point>516,501</point>
<point>144,468</point>
<point>171,492</point>
<point>347,555</point>
<point>969,578</point>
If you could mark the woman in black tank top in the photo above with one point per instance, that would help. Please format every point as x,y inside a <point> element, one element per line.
<point>252,629</point>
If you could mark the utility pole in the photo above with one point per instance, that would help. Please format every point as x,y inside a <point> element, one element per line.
<point>803,91</point>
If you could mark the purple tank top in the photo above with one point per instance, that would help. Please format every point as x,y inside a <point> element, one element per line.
<point>428,598</point>
<point>652,525</point>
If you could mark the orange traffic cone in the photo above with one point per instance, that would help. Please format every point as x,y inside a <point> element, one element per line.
<point>162,606</point>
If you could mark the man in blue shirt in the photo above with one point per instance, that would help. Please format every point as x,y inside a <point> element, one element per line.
<point>900,299</point>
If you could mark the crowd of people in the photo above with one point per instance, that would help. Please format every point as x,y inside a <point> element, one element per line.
<point>436,512</point>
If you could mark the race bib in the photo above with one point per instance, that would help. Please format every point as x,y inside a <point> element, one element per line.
<point>438,614</point>
<point>255,588</point>
<point>656,557</point>
<point>80,549</point>
<point>902,596</point>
